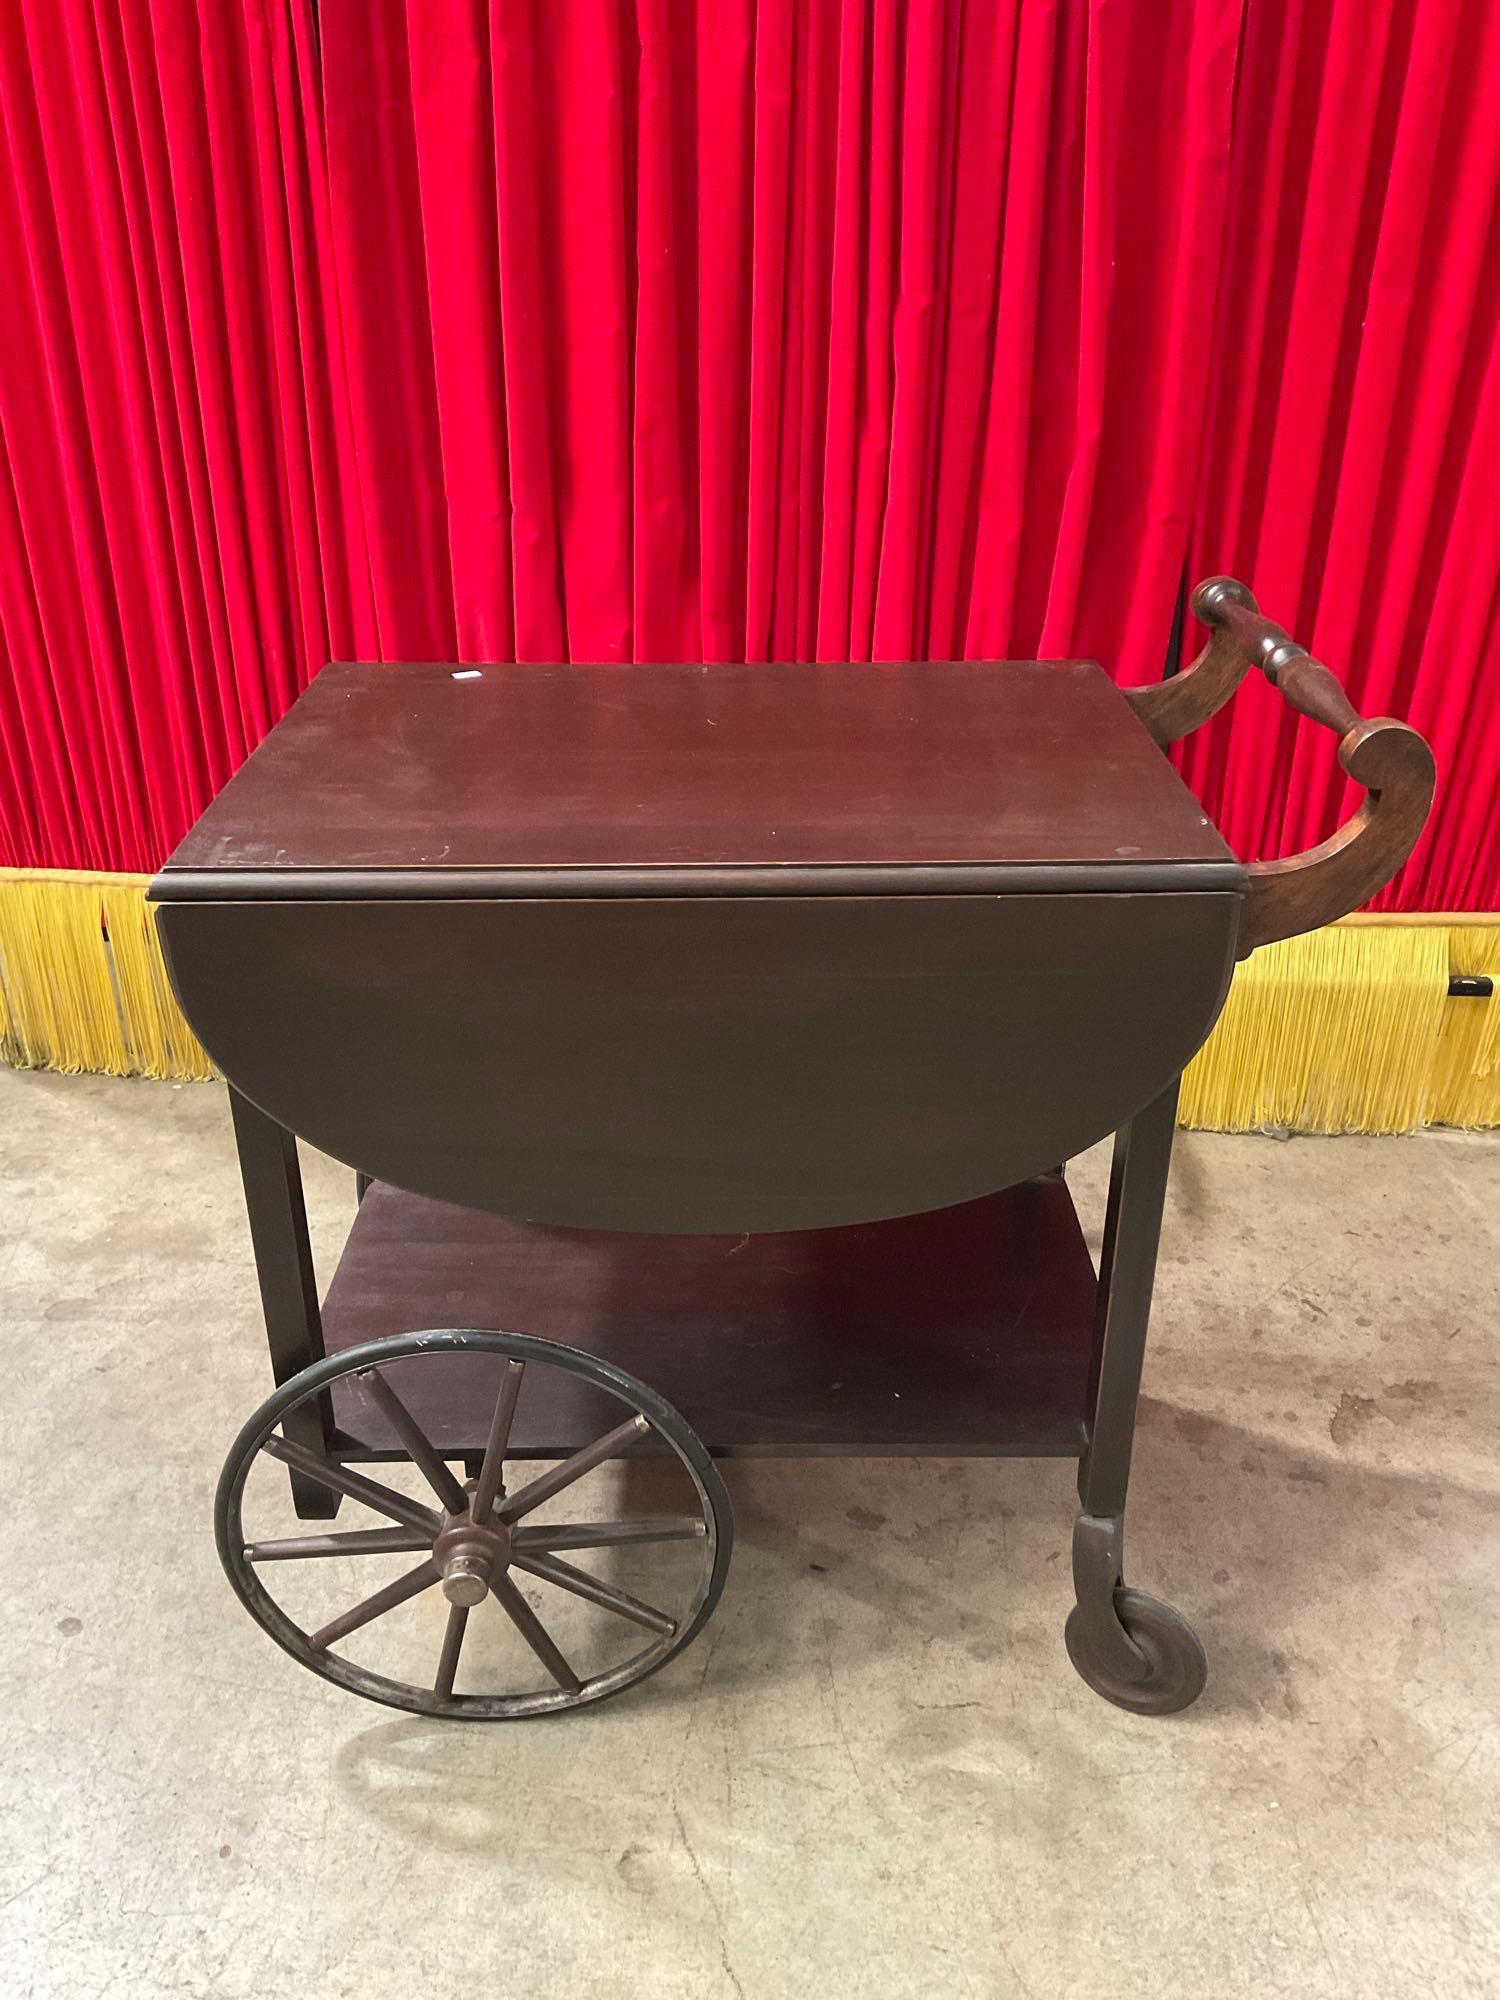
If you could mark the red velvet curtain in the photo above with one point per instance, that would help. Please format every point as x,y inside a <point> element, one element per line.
<point>1350,458</point>
<point>181,528</point>
<point>743,328</point>
<point>769,330</point>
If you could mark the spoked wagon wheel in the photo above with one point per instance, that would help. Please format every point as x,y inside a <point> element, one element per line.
<point>477,1539</point>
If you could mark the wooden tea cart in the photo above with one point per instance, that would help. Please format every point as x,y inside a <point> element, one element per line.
<point>705,1041</point>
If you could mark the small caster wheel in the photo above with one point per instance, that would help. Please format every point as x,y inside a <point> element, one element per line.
<point>490,1557</point>
<point>1176,1664</point>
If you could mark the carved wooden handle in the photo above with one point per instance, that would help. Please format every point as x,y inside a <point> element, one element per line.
<point>1389,759</point>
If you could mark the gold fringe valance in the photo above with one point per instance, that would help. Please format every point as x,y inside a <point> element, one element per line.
<point>1350,1029</point>
<point>1466,1072</point>
<point>1336,1031</point>
<point>82,983</point>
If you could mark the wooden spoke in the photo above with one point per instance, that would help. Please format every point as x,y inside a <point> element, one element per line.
<point>423,1452</point>
<point>573,1468</point>
<point>415,1581</point>
<point>551,1570</point>
<point>492,1470</point>
<point>610,1534</point>
<point>356,1542</point>
<point>369,1492</point>
<point>535,1633</point>
<point>453,1639</point>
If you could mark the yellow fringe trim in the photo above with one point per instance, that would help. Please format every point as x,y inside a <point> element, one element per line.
<point>1466,1074</point>
<point>82,983</point>
<point>1347,1030</point>
<point>1337,1031</point>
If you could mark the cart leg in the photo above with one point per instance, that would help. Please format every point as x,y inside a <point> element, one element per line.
<point>288,1289</point>
<point>1134,1651</point>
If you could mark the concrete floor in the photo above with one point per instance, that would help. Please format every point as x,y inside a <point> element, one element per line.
<point>876,1773</point>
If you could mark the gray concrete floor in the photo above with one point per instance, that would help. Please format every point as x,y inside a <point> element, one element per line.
<point>876,1773</point>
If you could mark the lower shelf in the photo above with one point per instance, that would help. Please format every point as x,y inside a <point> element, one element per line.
<point>965,1331</point>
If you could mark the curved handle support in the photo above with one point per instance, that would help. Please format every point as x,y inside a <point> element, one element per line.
<point>1392,762</point>
<point>1184,703</point>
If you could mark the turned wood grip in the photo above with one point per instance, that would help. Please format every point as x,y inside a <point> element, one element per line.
<point>1305,682</point>
<point>1392,762</point>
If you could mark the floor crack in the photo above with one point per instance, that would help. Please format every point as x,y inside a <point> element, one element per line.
<point>713,1902</point>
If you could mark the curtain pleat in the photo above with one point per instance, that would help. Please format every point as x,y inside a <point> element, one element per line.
<point>452,99</point>
<point>723,129</point>
<point>726,329</point>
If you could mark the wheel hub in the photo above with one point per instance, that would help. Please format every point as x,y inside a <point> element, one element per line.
<point>470,1554</point>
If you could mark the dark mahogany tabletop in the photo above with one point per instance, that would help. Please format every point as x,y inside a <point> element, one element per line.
<point>435,767</point>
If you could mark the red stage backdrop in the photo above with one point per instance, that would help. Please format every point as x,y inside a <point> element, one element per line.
<point>663,330</point>
<point>181,539</point>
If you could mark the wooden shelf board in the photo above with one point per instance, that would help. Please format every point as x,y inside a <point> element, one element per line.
<point>964,1331</point>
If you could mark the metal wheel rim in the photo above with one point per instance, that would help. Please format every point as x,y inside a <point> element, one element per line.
<point>663,1419</point>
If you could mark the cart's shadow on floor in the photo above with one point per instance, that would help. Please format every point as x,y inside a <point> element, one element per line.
<point>1248,1535</point>
<point>1253,1539</point>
